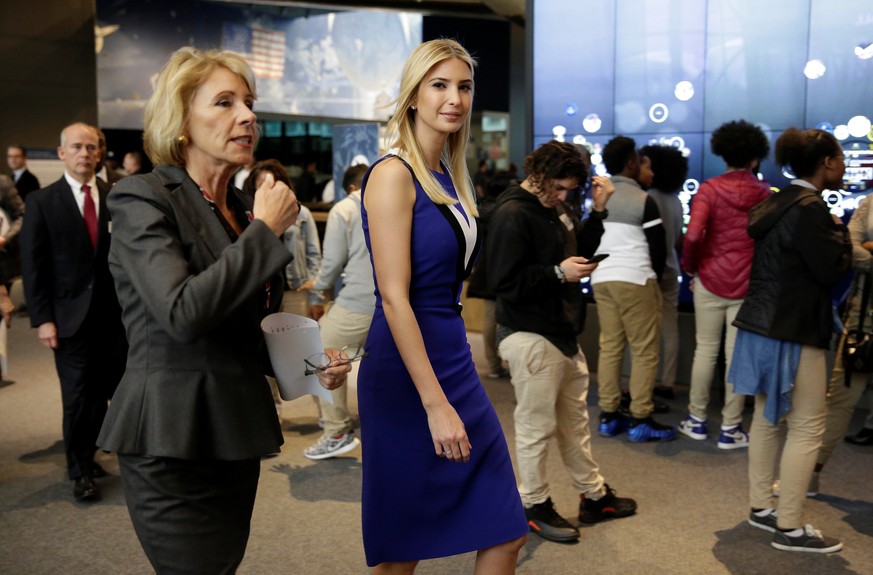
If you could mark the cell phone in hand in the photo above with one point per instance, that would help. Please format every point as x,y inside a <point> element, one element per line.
<point>597,258</point>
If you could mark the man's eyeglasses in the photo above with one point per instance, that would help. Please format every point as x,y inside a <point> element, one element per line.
<point>318,362</point>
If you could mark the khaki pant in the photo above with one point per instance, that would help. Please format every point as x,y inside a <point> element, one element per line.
<point>669,330</point>
<point>551,391</point>
<point>489,336</point>
<point>629,314</point>
<point>339,328</point>
<point>841,402</point>
<point>806,423</point>
<point>711,314</point>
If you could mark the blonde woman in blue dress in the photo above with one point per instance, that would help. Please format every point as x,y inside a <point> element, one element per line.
<point>437,476</point>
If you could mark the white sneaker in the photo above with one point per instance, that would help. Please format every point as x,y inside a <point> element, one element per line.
<point>331,446</point>
<point>693,427</point>
<point>733,437</point>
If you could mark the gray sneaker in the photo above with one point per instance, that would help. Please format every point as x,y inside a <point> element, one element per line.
<point>332,445</point>
<point>765,520</point>
<point>809,541</point>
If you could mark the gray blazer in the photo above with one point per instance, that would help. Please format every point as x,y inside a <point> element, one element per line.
<point>192,303</point>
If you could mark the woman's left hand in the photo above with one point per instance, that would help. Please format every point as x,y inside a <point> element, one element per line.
<point>336,375</point>
<point>448,433</point>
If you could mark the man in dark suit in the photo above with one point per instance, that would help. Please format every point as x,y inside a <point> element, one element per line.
<point>25,182</point>
<point>104,170</point>
<point>71,297</point>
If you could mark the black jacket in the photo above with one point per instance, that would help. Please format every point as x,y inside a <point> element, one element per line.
<point>65,278</point>
<point>478,285</point>
<point>800,254</point>
<point>26,183</point>
<point>525,242</point>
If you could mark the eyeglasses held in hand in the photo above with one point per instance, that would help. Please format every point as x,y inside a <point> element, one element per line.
<point>318,362</point>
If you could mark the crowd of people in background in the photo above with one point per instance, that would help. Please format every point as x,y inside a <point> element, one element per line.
<point>760,264</point>
<point>234,235</point>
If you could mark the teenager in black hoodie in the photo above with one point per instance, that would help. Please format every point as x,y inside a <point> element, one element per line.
<point>537,254</point>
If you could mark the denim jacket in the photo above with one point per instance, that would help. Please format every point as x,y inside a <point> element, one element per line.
<point>302,241</point>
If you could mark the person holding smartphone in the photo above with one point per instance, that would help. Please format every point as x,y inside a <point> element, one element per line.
<point>538,252</point>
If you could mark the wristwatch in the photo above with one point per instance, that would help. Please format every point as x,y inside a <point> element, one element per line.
<point>559,271</point>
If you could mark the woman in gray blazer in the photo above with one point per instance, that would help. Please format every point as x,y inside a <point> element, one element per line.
<point>197,265</point>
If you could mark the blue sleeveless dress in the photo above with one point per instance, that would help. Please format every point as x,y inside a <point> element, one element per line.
<point>417,505</point>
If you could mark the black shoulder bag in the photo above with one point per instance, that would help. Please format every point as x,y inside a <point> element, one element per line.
<point>858,345</point>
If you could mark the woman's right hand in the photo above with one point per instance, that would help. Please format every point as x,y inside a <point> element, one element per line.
<point>334,376</point>
<point>448,433</point>
<point>575,268</point>
<point>276,205</point>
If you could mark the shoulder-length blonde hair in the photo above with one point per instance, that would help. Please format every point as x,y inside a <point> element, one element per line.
<point>420,62</point>
<point>167,110</point>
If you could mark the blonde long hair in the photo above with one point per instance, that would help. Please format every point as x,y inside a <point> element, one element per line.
<point>420,62</point>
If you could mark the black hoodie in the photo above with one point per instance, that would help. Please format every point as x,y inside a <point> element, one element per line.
<point>800,255</point>
<point>526,240</point>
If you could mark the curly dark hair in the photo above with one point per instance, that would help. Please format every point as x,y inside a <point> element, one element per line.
<point>669,165</point>
<point>739,142</point>
<point>804,150</point>
<point>617,152</point>
<point>272,166</point>
<point>554,161</point>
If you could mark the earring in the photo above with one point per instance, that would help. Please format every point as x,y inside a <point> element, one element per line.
<point>183,139</point>
<point>413,106</point>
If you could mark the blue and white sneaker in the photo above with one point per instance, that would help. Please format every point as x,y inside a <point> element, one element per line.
<point>693,427</point>
<point>733,437</point>
<point>649,430</point>
<point>612,423</point>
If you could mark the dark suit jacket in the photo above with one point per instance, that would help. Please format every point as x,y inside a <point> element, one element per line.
<point>112,177</point>
<point>64,277</point>
<point>194,386</point>
<point>26,183</point>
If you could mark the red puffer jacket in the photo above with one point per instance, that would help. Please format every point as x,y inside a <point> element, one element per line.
<point>717,247</point>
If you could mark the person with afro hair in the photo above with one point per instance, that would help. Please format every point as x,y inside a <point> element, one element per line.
<point>717,254</point>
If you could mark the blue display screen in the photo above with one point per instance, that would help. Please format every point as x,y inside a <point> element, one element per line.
<point>674,70</point>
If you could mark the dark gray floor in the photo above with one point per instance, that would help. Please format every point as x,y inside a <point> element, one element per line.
<point>691,520</point>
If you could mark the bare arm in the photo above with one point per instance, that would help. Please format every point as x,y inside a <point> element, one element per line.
<point>389,200</point>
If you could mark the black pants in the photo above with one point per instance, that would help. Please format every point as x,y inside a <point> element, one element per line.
<point>191,516</point>
<point>90,365</point>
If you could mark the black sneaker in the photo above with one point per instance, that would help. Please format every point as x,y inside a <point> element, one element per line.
<point>548,524</point>
<point>764,519</point>
<point>810,540</point>
<point>607,507</point>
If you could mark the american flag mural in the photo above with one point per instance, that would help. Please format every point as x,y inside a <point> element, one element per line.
<point>264,49</point>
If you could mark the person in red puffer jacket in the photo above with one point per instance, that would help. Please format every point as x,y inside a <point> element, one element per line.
<point>717,254</point>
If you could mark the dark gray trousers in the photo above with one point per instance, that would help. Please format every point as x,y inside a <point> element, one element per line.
<point>191,516</point>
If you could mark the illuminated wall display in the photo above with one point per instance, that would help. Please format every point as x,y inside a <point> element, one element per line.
<point>672,71</point>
